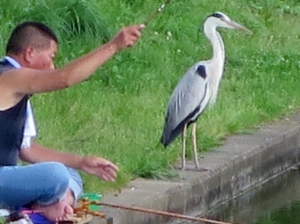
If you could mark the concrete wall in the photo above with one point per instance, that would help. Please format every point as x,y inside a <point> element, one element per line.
<point>241,163</point>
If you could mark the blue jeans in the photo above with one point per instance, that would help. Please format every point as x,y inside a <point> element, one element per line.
<point>43,183</point>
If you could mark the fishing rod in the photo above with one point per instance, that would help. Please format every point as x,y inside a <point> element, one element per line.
<point>163,213</point>
<point>155,14</point>
<point>85,203</point>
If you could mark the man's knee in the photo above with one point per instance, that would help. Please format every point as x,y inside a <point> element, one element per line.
<point>75,184</point>
<point>57,179</point>
<point>56,173</point>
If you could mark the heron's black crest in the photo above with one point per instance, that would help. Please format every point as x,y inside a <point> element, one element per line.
<point>217,15</point>
<point>201,71</point>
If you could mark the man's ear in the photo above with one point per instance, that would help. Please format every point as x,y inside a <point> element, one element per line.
<point>28,54</point>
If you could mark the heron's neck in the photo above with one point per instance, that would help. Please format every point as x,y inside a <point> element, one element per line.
<point>217,60</point>
<point>216,41</point>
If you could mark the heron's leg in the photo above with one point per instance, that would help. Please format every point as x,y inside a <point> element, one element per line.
<point>194,140</point>
<point>183,147</point>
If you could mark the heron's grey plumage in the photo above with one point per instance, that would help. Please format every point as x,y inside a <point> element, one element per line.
<point>188,101</point>
<point>199,86</point>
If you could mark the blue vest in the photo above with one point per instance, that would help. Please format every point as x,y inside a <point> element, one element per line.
<point>12,124</point>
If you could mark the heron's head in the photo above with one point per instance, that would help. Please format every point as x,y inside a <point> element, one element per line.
<point>219,19</point>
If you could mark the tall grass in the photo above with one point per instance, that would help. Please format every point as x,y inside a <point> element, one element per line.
<point>119,112</point>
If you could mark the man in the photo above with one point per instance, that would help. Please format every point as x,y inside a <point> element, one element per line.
<point>48,185</point>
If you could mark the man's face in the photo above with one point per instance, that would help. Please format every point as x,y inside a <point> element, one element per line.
<point>42,59</point>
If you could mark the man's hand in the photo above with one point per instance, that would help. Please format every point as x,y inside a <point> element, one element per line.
<point>100,167</point>
<point>127,36</point>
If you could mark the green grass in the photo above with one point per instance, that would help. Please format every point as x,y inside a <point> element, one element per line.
<point>119,112</point>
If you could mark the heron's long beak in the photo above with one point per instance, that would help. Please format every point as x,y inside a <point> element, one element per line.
<point>235,25</point>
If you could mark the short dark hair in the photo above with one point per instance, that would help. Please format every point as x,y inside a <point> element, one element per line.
<point>30,33</point>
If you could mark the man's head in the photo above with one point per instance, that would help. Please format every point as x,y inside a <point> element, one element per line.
<point>33,44</point>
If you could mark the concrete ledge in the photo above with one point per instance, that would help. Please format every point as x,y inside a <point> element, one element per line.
<point>241,163</point>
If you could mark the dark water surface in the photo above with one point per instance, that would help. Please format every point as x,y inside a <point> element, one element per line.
<point>275,202</point>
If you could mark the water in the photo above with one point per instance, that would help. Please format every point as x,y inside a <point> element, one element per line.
<point>275,202</point>
<point>269,203</point>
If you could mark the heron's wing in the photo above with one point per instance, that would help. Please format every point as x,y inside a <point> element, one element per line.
<point>188,100</point>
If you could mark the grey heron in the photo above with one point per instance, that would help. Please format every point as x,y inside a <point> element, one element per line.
<point>198,88</point>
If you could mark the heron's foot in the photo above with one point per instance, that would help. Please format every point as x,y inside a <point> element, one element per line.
<point>196,168</point>
<point>200,169</point>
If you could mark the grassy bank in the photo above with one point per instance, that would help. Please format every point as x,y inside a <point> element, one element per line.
<point>119,112</point>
